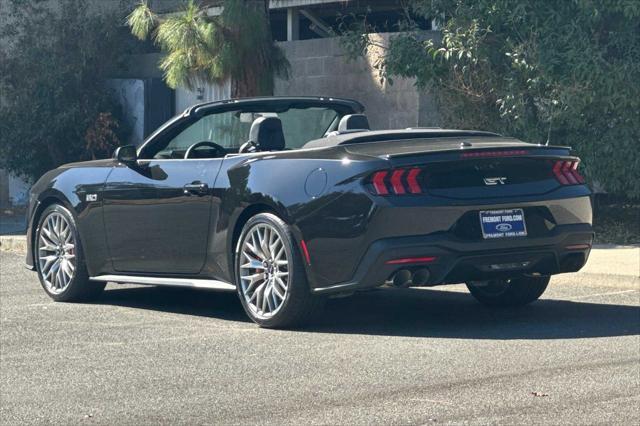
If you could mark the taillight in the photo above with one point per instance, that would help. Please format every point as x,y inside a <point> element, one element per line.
<point>379,184</point>
<point>566,172</point>
<point>400,181</point>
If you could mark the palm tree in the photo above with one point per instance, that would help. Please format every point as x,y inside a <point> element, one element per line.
<point>200,49</point>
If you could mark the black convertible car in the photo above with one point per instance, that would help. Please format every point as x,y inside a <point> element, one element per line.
<point>290,200</point>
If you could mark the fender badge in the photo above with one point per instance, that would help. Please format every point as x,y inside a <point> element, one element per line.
<point>92,197</point>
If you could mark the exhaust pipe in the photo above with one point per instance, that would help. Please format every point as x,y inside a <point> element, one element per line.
<point>572,262</point>
<point>402,278</point>
<point>421,276</point>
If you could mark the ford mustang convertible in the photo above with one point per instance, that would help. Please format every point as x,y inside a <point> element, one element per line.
<point>288,201</point>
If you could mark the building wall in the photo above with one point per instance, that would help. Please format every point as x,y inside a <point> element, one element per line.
<point>320,68</point>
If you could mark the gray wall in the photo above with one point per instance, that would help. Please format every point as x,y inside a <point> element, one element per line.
<point>320,68</point>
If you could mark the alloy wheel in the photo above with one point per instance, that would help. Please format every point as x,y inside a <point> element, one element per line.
<point>56,253</point>
<point>264,270</point>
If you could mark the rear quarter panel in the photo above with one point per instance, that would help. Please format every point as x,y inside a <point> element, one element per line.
<point>318,192</point>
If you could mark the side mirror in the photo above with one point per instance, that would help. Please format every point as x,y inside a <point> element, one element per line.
<point>126,154</point>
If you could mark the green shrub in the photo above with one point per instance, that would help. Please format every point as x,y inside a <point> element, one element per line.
<point>564,72</point>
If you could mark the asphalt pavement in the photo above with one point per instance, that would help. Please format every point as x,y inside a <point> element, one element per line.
<point>418,356</point>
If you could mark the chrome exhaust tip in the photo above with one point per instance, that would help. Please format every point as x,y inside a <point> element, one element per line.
<point>421,277</point>
<point>402,278</point>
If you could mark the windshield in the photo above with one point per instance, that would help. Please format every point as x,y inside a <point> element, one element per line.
<point>230,129</point>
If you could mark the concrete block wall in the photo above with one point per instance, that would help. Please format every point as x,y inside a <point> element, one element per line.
<point>320,68</point>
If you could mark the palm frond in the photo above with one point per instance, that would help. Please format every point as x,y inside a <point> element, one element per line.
<point>202,49</point>
<point>142,21</point>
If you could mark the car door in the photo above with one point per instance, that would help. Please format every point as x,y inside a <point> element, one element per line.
<point>157,212</point>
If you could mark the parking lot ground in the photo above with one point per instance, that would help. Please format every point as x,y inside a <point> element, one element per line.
<point>415,356</point>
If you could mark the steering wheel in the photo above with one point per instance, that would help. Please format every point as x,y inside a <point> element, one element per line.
<point>220,151</point>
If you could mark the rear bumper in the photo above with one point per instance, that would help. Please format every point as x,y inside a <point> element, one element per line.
<point>565,249</point>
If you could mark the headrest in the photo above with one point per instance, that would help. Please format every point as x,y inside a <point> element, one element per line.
<point>353,122</point>
<point>266,133</point>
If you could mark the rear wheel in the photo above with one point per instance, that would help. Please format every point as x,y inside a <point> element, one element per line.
<point>60,259</point>
<point>271,280</point>
<point>508,292</point>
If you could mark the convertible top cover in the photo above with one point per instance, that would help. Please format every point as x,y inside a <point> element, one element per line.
<point>389,135</point>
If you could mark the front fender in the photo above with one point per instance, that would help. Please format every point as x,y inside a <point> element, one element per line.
<point>78,189</point>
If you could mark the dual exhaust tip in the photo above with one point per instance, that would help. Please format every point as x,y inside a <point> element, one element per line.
<point>407,278</point>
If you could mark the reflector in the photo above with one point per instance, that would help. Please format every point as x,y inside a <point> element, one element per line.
<point>406,260</point>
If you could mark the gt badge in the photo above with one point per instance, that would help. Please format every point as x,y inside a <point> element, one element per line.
<point>495,180</point>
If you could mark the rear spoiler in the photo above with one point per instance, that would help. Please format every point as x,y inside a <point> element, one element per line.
<point>364,137</point>
<point>494,152</point>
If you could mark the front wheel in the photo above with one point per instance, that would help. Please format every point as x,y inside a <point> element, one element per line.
<point>508,292</point>
<point>270,275</point>
<point>60,259</point>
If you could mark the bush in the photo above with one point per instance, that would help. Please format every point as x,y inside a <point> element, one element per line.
<point>54,104</point>
<point>563,72</point>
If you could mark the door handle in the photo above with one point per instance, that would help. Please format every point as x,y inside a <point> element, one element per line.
<point>196,188</point>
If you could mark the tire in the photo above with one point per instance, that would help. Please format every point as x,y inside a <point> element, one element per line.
<point>59,258</point>
<point>272,288</point>
<point>508,292</point>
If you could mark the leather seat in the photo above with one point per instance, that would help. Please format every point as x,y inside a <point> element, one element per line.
<point>265,135</point>
<point>353,122</point>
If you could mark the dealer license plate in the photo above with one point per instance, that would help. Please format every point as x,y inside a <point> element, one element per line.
<point>503,223</point>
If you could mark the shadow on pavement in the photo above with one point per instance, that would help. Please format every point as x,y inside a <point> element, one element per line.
<point>410,312</point>
<point>186,301</point>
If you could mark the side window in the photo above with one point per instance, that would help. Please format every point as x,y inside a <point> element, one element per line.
<point>225,129</point>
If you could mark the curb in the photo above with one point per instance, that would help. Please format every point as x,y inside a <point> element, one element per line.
<point>14,243</point>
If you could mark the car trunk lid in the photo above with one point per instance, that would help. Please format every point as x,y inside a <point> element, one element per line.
<point>469,168</point>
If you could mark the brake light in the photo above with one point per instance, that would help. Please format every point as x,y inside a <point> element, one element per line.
<point>379,183</point>
<point>400,181</point>
<point>396,181</point>
<point>566,172</point>
<point>412,181</point>
<point>493,154</point>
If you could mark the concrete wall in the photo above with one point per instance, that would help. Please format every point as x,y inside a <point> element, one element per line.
<point>320,68</point>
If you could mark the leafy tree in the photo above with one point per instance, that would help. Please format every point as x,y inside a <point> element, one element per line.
<point>202,49</point>
<point>563,72</point>
<point>54,59</point>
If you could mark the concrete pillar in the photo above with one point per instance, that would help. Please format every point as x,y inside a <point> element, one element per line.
<point>293,24</point>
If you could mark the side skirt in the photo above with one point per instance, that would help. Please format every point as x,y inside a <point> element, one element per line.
<point>174,282</point>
